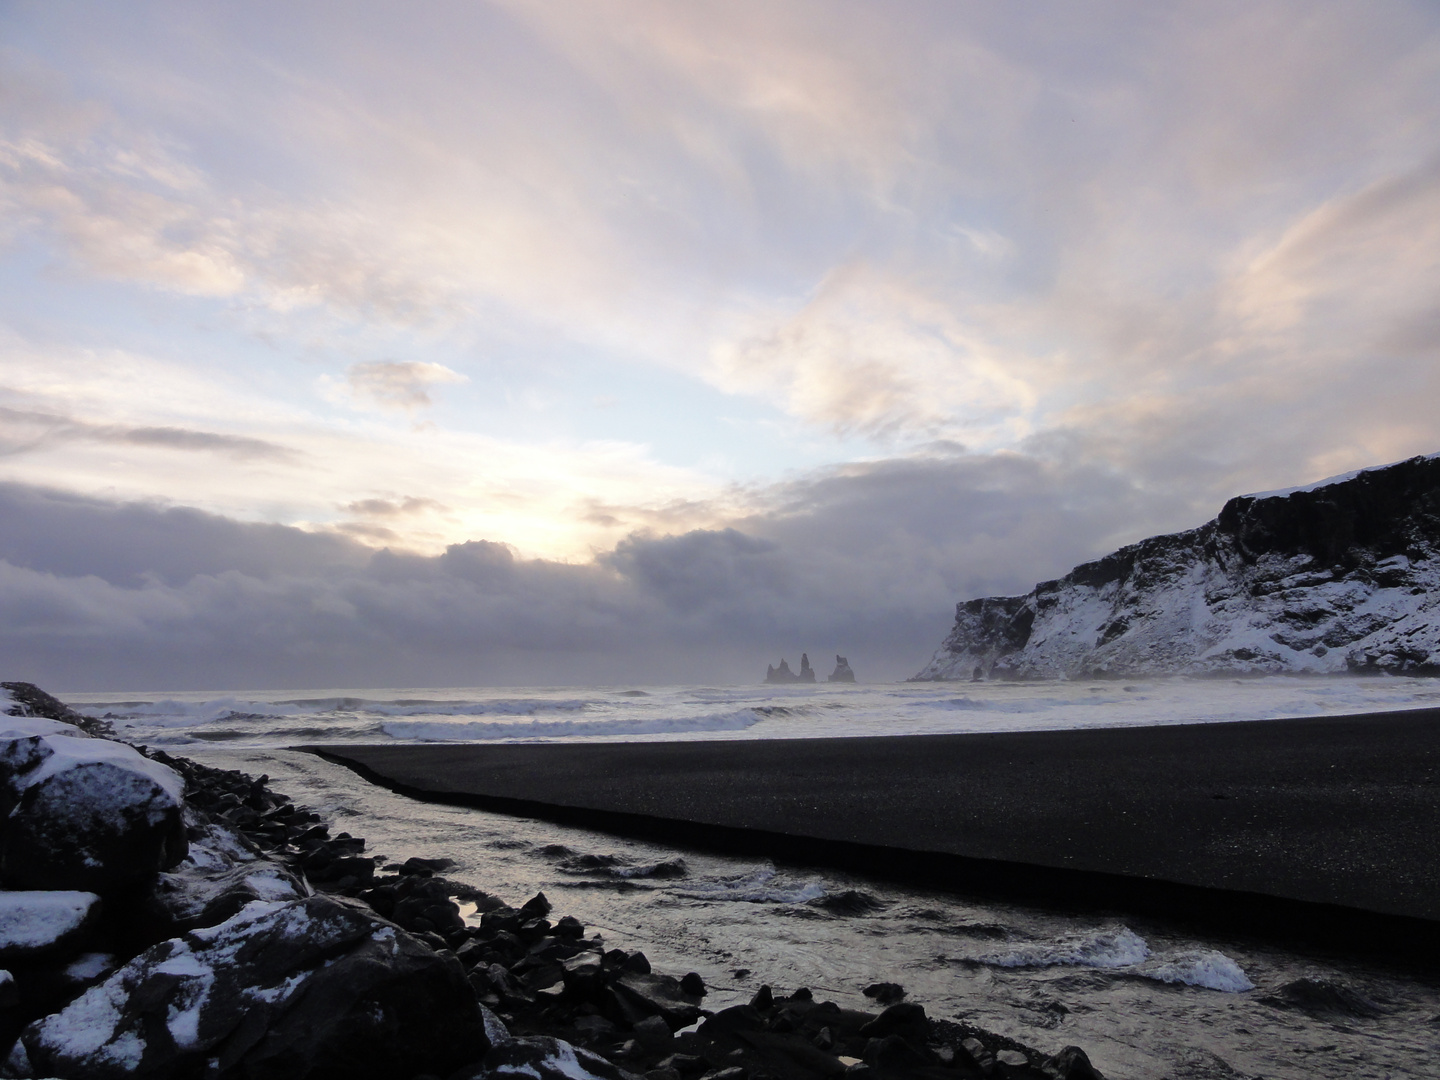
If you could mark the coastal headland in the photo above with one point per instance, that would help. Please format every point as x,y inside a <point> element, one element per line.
<point>1319,829</point>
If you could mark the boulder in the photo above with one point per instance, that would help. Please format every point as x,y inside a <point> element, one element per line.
<point>655,995</point>
<point>34,923</point>
<point>542,1058</point>
<point>654,1035</point>
<point>86,814</point>
<point>316,988</point>
<point>976,1055</point>
<point>28,700</point>
<point>905,1018</point>
<point>218,877</point>
<point>886,993</point>
<point>894,1054</point>
<point>20,727</point>
<point>1070,1064</point>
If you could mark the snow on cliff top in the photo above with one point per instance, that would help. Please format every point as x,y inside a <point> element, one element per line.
<point>1280,493</point>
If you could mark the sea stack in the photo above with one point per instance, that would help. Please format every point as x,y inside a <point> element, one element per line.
<point>842,672</point>
<point>1338,576</point>
<point>783,674</point>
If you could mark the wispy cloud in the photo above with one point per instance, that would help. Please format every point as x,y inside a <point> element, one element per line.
<point>23,431</point>
<point>403,385</point>
<point>873,355</point>
<point>410,504</point>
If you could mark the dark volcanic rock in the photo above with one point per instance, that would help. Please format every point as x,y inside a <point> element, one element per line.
<point>904,1018</point>
<point>783,674</point>
<point>1341,576</point>
<point>30,700</point>
<point>1072,1063</point>
<point>313,988</point>
<point>89,814</point>
<point>213,883</point>
<point>657,995</point>
<point>886,993</point>
<point>541,1057</point>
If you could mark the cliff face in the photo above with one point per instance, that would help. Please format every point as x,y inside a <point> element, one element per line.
<point>1341,576</point>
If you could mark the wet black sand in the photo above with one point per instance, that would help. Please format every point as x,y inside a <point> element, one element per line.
<point>1326,829</point>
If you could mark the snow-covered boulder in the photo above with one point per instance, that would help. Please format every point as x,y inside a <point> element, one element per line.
<point>20,727</point>
<point>34,923</point>
<point>542,1057</point>
<point>85,814</point>
<point>319,987</point>
<point>28,700</point>
<point>536,1057</point>
<point>1340,576</point>
<point>219,875</point>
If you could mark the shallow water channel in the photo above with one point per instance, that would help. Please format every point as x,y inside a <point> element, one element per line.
<point>1143,999</point>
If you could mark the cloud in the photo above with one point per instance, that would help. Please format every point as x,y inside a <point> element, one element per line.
<point>23,431</point>
<point>873,355</point>
<point>867,560</point>
<point>1364,265</point>
<point>410,504</point>
<point>402,385</point>
<point>130,544</point>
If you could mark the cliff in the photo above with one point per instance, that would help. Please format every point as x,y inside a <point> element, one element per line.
<point>1339,576</point>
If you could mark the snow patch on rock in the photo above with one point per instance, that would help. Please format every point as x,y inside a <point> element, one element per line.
<point>32,922</point>
<point>19,727</point>
<point>71,750</point>
<point>319,975</point>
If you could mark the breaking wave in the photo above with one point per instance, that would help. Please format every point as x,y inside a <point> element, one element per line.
<point>756,887</point>
<point>481,730</point>
<point>1204,968</point>
<point>1112,947</point>
<point>618,866</point>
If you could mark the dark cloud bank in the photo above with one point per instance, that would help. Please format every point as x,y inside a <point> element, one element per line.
<point>867,560</point>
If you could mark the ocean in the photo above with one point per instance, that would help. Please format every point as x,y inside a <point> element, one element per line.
<point>1145,999</point>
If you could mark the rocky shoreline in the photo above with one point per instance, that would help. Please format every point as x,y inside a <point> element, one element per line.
<point>162,918</point>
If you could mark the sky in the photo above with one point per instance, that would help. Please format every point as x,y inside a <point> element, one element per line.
<point>381,344</point>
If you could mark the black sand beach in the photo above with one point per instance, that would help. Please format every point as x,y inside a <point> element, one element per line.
<point>1323,828</point>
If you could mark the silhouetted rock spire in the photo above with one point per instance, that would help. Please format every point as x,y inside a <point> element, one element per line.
<point>783,674</point>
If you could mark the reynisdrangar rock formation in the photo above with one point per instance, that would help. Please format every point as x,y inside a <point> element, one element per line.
<point>783,674</point>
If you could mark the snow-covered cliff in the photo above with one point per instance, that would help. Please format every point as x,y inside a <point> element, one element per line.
<point>1343,575</point>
